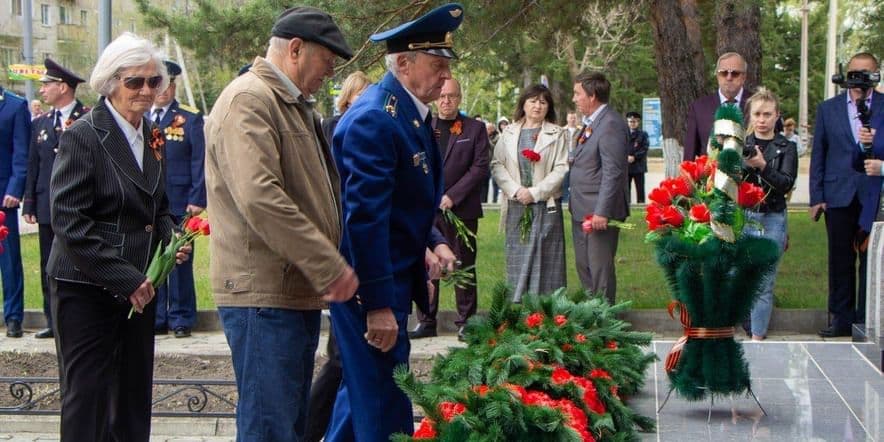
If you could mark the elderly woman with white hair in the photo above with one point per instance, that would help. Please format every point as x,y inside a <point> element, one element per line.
<point>110,213</point>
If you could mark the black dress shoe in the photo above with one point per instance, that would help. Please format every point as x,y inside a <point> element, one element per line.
<point>13,329</point>
<point>160,331</point>
<point>44,334</point>
<point>422,331</point>
<point>460,335</point>
<point>832,332</point>
<point>182,332</point>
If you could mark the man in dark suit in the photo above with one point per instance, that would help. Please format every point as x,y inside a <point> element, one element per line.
<point>58,89</point>
<point>463,143</point>
<point>15,131</point>
<point>182,126</point>
<point>598,184</point>
<point>730,71</point>
<point>836,175</point>
<point>391,176</point>
<point>637,156</point>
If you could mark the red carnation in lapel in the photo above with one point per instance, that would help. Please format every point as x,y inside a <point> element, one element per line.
<point>157,141</point>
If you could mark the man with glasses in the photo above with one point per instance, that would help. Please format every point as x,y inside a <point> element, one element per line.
<point>463,143</point>
<point>182,128</point>
<point>730,71</point>
<point>836,185</point>
<point>58,88</point>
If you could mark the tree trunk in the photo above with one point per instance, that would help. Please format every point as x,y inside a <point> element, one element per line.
<point>680,64</point>
<point>738,23</point>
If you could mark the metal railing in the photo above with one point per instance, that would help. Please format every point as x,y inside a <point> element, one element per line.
<point>172,397</point>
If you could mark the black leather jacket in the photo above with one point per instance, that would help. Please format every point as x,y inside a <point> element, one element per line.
<point>778,177</point>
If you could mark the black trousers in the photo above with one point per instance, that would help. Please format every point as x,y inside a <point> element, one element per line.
<point>841,229</point>
<point>466,297</point>
<point>46,237</point>
<point>639,179</point>
<point>324,391</point>
<point>105,364</point>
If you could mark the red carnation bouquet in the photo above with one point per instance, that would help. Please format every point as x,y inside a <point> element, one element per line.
<point>163,261</point>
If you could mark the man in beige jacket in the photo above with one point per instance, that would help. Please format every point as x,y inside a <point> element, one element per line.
<point>276,222</point>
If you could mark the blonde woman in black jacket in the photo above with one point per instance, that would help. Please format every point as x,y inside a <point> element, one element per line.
<point>770,161</point>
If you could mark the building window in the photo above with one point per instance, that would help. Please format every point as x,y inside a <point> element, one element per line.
<point>44,15</point>
<point>16,7</point>
<point>83,18</point>
<point>7,56</point>
<point>62,15</point>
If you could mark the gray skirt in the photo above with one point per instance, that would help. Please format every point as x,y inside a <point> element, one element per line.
<point>536,265</point>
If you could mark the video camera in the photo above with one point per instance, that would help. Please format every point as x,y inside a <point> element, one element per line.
<point>864,80</point>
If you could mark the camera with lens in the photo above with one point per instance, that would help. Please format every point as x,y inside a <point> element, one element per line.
<point>864,80</point>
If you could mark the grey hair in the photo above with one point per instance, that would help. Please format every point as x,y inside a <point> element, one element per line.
<point>126,51</point>
<point>727,55</point>
<point>278,46</point>
<point>393,66</point>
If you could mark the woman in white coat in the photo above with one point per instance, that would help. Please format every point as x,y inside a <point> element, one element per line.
<point>529,163</point>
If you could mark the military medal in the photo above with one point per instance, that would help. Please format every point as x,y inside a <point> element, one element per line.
<point>416,123</point>
<point>420,159</point>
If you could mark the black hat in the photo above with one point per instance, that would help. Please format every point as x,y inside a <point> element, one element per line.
<point>56,72</point>
<point>312,25</point>
<point>430,33</point>
<point>245,68</point>
<point>633,114</point>
<point>172,68</point>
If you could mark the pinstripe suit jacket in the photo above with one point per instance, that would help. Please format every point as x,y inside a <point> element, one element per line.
<point>107,214</point>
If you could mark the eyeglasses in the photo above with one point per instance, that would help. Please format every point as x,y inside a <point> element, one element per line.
<point>449,97</point>
<point>136,83</point>
<point>724,73</point>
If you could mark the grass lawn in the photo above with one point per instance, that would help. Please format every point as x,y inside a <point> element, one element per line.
<point>802,280</point>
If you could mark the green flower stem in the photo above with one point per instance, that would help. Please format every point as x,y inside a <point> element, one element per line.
<point>463,233</point>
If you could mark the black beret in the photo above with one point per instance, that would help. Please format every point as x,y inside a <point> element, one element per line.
<point>57,72</point>
<point>172,68</point>
<point>314,25</point>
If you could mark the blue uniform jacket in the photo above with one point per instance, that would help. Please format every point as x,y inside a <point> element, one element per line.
<point>185,157</point>
<point>41,156</point>
<point>391,176</point>
<point>15,133</point>
<point>834,177</point>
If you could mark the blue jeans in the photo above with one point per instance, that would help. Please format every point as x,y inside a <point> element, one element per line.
<point>774,225</point>
<point>273,352</point>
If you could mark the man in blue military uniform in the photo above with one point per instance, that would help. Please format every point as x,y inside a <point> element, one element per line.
<point>15,132</point>
<point>182,127</point>
<point>58,88</point>
<point>391,175</point>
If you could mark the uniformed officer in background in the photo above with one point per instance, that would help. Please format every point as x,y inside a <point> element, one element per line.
<point>391,186</point>
<point>182,126</point>
<point>58,90</point>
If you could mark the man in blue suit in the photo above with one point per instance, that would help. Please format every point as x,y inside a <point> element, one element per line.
<point>391,175</point>
<point>182,127</point>
<point>15,133</point>
<point>58,88</point>
<point>836,177</point>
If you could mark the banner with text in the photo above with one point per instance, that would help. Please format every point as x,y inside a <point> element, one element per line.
<point>21,72</point>
<point>652,122</point>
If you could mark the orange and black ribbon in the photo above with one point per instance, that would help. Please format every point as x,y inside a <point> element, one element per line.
<point>691,333</point>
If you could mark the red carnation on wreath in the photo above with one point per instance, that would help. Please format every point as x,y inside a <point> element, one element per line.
<point>749,195</point>
<point>700,213</point>
<point>451,409</point>
<point>534,320</point>
<point>425,430</point>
